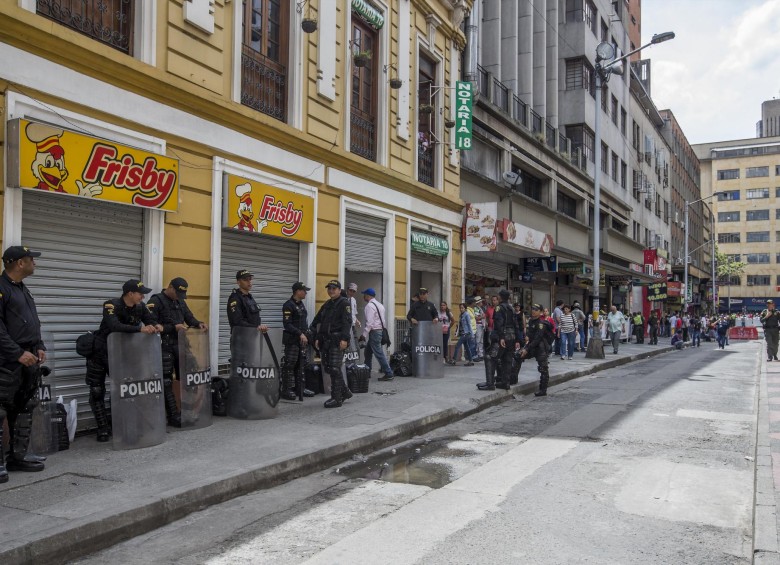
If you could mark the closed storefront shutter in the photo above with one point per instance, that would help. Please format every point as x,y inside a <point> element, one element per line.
<point>426,263</point>
<point>486,267</point>
<point>275,266</point>
<point>89,249</point>
<point>364,243</point>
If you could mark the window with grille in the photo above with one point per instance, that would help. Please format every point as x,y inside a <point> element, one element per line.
<point>110,22</point>
<point>752,172</point>
<point>604,158</point>
<point>757,236</point>
<point>264,56</point>
<point>728,195</point>
<point>753,193</point>
<point>426,120</point>
<point>759,280</point>
<point>579,74</point>
<point>614,166</point>
<point>728,174</point>
<point>582,138</point>
<point>363,107</point>
<point>728,216</point>
<point>567,205</point>
<point>614,108</point>
<point>623,120</point>
<point>757,215</point>
<point>623,173</point>
<point>729,237</point>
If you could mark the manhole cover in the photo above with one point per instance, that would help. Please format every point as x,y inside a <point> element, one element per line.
<point>52,491</point>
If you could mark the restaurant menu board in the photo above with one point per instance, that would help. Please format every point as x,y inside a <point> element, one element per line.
<point>481,226</point>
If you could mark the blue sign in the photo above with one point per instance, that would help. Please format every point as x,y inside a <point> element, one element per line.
<point>527,277</point>
<point>541,264</point>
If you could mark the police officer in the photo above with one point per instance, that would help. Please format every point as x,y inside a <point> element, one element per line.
<point>503,340</point>
<point>126,314</point>
<point>21,355</point>
<point>422,310</point>
<point>770,319</point>
<point>173,314</point>
<point>539,340</point>
<point>296,342</point>
<point>242,309</point>
<point>332,327</point>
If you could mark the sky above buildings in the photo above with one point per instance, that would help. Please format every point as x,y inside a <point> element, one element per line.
<point>723,63</point>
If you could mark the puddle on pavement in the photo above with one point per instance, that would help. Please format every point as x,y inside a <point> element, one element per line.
<point>417,464</point>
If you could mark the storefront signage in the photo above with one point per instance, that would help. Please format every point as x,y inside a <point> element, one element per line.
<point>656,292</point>
<point>749,303</point>
<point>674,288</point>
<point>430,244</point>
<point>636,268</point>
<point>527,277</point>
<point>464,100</point>
<point>571,268</point>
<point>258,208</point>
<point>481,226</point>
<point>371,15</point>
<point>53,159</point>
<point>540,264</point>
<point>528,238</point>
<point>620,280</point>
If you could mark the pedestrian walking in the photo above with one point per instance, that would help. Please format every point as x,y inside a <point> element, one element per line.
<point>695,331</point>
<point>465,335</point>
<point>502,343</point>
<point>615,320</point>
<point>479,319</point>
<point>722,329</point>
<point>538,345</point>
<point>295,339</point>
<point>352,289</point>
<point>556,322</point>
<point>332,327</point>
<point>170,310</point>
<point>446,320</point>
<point>770,319</point>
<point>652,328</point>
<point>639,327</point>
<point>582,320</point>
<point>567,332</point>
<point>22,354</point>
<point>374,315</point>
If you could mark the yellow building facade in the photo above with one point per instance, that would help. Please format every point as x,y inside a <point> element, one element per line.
<point>194,138</point>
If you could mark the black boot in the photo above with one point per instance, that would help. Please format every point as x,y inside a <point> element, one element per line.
<point>18,460</point>
<point>336,385</point>
<point>287,389</point>
<point>3,472</point>
<point>171,410</point>
<point>98,406</point>
<point>542,386</point>
<point>308,393</point>
<point>346,394</point>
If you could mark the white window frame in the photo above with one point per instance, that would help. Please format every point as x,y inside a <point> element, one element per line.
<point>20,106</point>
<point>307,254</point>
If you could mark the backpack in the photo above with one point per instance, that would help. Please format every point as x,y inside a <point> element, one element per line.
<point>401,364</point>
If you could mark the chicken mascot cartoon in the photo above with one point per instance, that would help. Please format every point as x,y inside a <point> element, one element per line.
<point>245,212</point>
<point>49,164</point>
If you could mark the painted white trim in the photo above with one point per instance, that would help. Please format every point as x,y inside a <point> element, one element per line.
<point>404,34</point>
<point>454,77</point>
<point>37,73</point>
<point>236,62</point>
<point>154,238</point>
<point>297,64</point>
<point>326,54</point>
<point>447,264</point>
<point>145,43</point>
<point>356,185</point>
<point>28,5</point>
<point>388,253</point>
<point>307,251</point>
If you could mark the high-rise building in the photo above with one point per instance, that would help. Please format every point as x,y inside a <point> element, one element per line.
<point>745,174</point>
<point>769,124</point>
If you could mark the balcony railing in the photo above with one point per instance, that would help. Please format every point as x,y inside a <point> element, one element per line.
<point>521,110</point>
<point>482,81</point>
<point>549,134</point>
<point>425,162</point>
<point>362,134</point>
<point>263,84</point>
<point>107,21</point>
<point>500,95</point>
<point>536,122</point>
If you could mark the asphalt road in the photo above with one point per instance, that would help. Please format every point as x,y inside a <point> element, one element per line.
<point>651,462</point>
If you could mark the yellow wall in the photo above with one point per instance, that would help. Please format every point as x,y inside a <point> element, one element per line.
<point>2,164</point>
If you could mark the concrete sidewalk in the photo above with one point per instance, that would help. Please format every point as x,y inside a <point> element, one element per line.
<point>91,497</point>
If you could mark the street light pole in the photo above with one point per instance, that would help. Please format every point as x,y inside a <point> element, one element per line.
<point>605,52</point>
<point>712,264</point>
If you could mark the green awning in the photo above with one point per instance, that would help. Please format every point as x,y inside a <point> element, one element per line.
<point>371,15</point>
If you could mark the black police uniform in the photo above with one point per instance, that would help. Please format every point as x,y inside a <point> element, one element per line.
<point>505,327</point>
<point>20,331</point>
<point>117,317</point>
<point>423,312</point>
<point>296,323</point>
<point>539,331</point>
<point>770,319</point>
<point>242,310</point>
<point>169,313</point>
<point>331,325</point>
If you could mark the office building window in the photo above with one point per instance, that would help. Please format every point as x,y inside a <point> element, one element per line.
<point>582,11</point>
<point>777,170</point>
<point>728,195</point>
<point>757,215</point>
<point>614,167</point>
<point>729,237</point>
<point>623,173</point>
<point>759,280</point>
<point>582,138</point>
<point>757,237</point>
<point>604,158</point>
<point>728,216</point>
<point>579,74</point>
<point>666,211</point>
<point>614,108</point>
<point>730,281</point>
<point>752,172</point>
<point>623,120</point>
<point>728,174</point>
<point>753,193</point>
<point>567,205</point>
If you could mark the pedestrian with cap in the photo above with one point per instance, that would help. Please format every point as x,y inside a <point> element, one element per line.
<point>373,330</point>
<point>332,327</point>
<point>22,354</point>
<point>540,336</point>
<point>352,289</point>
<point>770,319</point>
<point>242,309</point>
<point>170,309</point>
<point>422,310</point>
<point>126,314</point>
<point>295,339</point>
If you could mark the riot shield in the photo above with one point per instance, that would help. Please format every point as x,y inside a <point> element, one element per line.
<point>195,378</point>
<point>254,375</point>
<point>352,356</point>
<point>137,406</point>
<point>44,434</point>
<point>427,356</point>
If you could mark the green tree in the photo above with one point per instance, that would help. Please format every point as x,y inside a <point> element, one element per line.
<point>727,268</point>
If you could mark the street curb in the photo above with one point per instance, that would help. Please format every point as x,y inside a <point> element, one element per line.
<point>765,539</point>
<point>87,535</point>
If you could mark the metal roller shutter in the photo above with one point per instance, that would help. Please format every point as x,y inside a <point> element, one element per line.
<point>90,249</point>
<point>426,263</point>
<point>364,243</point>
<point>275,266</point>
<point>486,267</point>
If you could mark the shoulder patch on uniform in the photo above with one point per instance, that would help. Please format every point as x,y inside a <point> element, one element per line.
<point>109,307</point>
<point>349,309</point>
<point>150,305</point>
<point>541,326</point>
<point>233,303</point>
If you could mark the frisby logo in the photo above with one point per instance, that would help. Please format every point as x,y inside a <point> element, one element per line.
<point>152,184</point>
<point>275,211</point>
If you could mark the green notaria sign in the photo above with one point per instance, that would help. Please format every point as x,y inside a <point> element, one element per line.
<point>464,99</point>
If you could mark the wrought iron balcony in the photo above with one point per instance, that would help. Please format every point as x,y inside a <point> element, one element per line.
<point>263,84</point>
<point>107,21</point>
<point>362,134</point>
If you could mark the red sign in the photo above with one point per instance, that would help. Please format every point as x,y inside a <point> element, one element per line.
<point>674,289</point>
<point>743,333</point>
